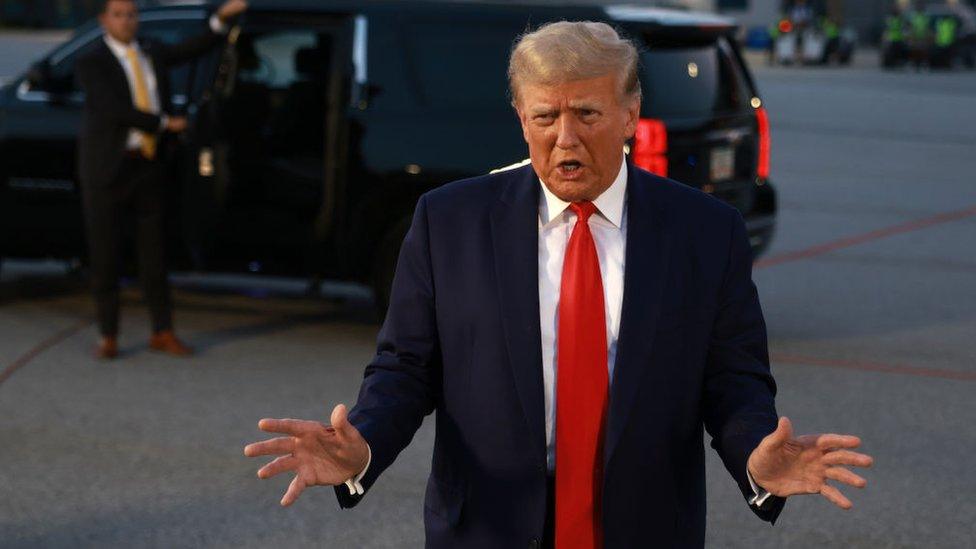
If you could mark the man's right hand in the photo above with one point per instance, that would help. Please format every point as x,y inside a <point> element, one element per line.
<point>176,124</point>
<point>318,454</point>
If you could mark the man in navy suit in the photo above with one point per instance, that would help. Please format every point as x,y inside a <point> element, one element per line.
<point>575,323</point>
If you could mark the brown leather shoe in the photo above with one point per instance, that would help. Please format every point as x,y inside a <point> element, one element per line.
<point>107,348</point>
<point>167,342</point>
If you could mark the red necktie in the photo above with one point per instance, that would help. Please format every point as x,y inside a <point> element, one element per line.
<point>581,391</point>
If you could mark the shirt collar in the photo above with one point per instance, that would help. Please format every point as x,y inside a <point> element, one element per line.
<point>610,203</point>
<point>117,47</point>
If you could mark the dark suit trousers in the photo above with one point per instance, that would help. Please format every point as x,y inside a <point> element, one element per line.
<point>131,206</point>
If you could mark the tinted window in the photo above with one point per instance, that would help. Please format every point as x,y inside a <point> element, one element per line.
<point>441,64</point>
<point>691,80</point>
<point>272,59</point>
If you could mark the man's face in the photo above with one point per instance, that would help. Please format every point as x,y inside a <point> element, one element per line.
<point>576,133</point>
<point>120,20</point>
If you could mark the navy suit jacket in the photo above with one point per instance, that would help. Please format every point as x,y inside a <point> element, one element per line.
<point>462,338</point>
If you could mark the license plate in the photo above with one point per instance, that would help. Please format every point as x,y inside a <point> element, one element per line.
<point>723,163</point>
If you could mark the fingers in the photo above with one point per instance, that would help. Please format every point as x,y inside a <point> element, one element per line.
<point>835,497</point>
<point>846,457</point>
<point>843,475</point>
<point>294,490</point>
<point>278,465</point>
<point>293,427</point>
<point>783,432</point>
<point>828,441</point>
<point>280,445</point>
<point>340,422</point>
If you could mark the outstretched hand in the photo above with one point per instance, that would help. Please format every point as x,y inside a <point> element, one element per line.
<point>786,466</point>
<point>318,454</point>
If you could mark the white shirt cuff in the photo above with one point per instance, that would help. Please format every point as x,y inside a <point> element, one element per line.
<point>163,120</point>
<point>216,25</point>
<point>355,488</point>
<point>759,495</point>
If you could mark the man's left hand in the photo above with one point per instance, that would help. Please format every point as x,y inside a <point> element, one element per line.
<point>785,465</point>
<point>231,9</point>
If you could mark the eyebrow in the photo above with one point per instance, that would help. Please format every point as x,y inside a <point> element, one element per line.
<point>575,106</point>
<point>587,105</point>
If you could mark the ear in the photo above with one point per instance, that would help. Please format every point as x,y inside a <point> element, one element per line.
<point>633,115</point>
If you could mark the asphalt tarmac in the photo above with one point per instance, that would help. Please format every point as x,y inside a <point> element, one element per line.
<point>869,293</point>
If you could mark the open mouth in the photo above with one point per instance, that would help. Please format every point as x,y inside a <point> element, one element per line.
<point>570,165</point>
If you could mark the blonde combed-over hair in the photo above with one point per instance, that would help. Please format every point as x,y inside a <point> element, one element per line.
<point>565,51</point>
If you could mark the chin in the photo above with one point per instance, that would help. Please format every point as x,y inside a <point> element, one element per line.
<point>572,191</point>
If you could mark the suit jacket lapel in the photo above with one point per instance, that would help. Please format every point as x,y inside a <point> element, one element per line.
<point>116,71</point>
<point>515,229</point>
<point>645,272</point>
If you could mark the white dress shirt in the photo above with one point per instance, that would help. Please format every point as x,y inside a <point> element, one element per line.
<point>609,229</point>
<point>119,49</point>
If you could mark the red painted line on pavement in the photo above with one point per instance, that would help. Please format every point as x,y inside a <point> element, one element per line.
<point>41,347</point>
<point>849,241</point>
<point>874,367</point>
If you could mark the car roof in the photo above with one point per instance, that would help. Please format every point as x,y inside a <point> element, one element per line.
<point>668,17</point>
<point>624,13</point>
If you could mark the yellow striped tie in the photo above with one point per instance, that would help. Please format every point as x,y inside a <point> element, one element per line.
<point>148,145</point>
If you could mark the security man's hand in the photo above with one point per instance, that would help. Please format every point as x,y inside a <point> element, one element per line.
<point>175,124</point>
<point>231,9</point>
<point>785,465</point>
<point>318,454</point>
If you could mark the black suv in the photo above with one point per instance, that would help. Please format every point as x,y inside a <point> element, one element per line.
<point>316,126</point>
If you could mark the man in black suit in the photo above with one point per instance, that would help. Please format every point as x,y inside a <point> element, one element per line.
<point>127,98</point>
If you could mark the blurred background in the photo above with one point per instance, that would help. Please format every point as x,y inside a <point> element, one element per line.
<point>845,131</point>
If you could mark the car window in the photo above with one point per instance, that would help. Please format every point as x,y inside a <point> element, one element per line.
<point>167,31</point>
<point>441,65</point>
<point>691,80</point>
<point>273,58</point>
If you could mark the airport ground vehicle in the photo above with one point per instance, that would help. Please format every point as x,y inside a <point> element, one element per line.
<point>317,125</point>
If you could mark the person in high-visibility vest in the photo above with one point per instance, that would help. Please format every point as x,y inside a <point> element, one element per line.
<point>920,37</point>
<point>774,34</point>
<point>894,49</point>
<point>894,28</point>
<point>945,41</point>
<point>831,32</point>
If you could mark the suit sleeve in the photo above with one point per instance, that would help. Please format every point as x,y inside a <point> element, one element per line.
<point>401,383</point>
<point>102,99</point>
<point>739,391</point>
<point>189,49</point>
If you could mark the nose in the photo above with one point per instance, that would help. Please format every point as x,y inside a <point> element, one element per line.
<point>566,136</point>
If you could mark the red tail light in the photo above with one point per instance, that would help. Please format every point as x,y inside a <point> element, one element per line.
<point>762,164</point>
<point>651,146</point>
<point>785,26</point>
